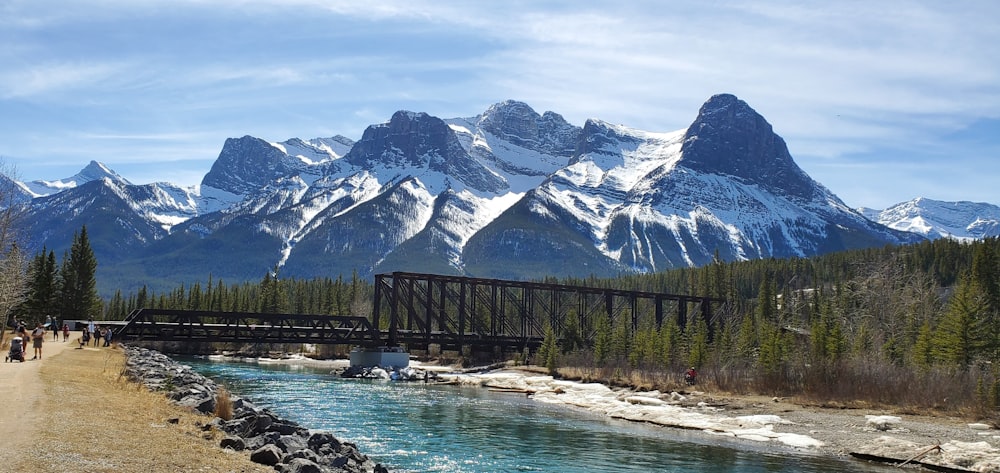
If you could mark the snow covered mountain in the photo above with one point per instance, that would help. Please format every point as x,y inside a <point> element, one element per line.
<point>94,171</point>
<point>936,219</point>
<point>507,193</point>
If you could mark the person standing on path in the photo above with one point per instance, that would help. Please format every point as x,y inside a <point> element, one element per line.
<point>37,337</point>
<point>54,326</point>
<point>22,332</point>
<point>92,331</point>
<point>65,331</point>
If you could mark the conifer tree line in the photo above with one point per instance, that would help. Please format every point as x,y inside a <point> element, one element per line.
<point>271,295</point>
<point>910,325</point>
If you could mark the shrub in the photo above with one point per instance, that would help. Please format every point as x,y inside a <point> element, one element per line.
<point>223,404</point>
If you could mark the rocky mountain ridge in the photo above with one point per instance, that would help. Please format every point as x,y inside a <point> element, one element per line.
<point>508,193</point>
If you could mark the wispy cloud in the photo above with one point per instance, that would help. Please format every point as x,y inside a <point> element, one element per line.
<point>55,78</point>
<point>836,79</point>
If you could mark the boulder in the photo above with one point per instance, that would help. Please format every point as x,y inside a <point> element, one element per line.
<point>300,465</point>
<point>233,443</point>
<point>291,443</point>
<point>285,427</point>
<point>318,439</point>
<point>201,402</point>
<point>304,453</point>
<point>269,455</point>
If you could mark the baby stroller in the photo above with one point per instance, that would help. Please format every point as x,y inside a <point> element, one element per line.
<point>16,350</point>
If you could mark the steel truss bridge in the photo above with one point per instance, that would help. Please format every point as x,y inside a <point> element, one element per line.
<point>419,310</point>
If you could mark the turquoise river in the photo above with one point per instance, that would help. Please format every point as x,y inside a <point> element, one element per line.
<point>415,427</point>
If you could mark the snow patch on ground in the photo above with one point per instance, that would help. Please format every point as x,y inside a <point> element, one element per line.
<point>651,407</point>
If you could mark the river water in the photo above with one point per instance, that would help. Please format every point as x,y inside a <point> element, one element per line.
<point>413,427</point>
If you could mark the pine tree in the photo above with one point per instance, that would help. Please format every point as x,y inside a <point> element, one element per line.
<point>697,334</point>
<point>985,276</point>
<point>273,298</point>
<point>746,338</point>
<point>548,353</point>
<point>572,336</point>
<point>602,340</point>
<point>78,286</point>
<point>774,349</point>
<point>42,297</point>
<point>923,347</point>
<point>955,341</point>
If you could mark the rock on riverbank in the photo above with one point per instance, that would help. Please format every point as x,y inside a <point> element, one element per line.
<point>271,440</point>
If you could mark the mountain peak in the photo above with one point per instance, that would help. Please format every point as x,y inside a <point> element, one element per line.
<point>413,143</point>
<point>961,220</point>
<point>96,171</point>
<point>520,124</point>
<point>246,165</point>
<point>730,138</point>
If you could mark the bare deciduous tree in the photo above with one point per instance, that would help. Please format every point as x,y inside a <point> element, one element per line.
<point>13,262</point>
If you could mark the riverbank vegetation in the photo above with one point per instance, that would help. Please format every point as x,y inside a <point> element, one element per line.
<point>916,327</point>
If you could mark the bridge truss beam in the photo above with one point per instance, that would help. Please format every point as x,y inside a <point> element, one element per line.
<point>240,327</point>
<point>458,311</point>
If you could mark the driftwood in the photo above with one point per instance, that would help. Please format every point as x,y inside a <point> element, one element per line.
<point>925,452</point>
<point>914,460</point>
<point>526,392</point>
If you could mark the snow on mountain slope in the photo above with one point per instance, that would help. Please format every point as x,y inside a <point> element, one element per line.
<point>938,219</point>
<point>725,186</point>
<point>316,150</point>
<point>340,196</point>
<point>507,193</point>
<point>521,168</point>
<point>597,182</point>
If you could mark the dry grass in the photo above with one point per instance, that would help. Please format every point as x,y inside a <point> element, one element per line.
<point>95,420</point>
<point>223,404</point>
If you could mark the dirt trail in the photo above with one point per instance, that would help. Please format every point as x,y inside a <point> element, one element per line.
<point>72,411</point>
<point>22,391</point>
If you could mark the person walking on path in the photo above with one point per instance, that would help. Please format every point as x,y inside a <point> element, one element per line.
<point>54,327</point>
<point>37,337</point>
<point>87,332</point>
<point>65,331</point>
<point>107,336</point>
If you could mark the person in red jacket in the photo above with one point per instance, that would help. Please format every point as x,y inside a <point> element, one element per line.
<point>690,376</point>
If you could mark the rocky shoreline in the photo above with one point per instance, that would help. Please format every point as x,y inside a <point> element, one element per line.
<point>271,440</point>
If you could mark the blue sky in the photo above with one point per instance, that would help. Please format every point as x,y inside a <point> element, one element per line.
<point>880,101</point>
